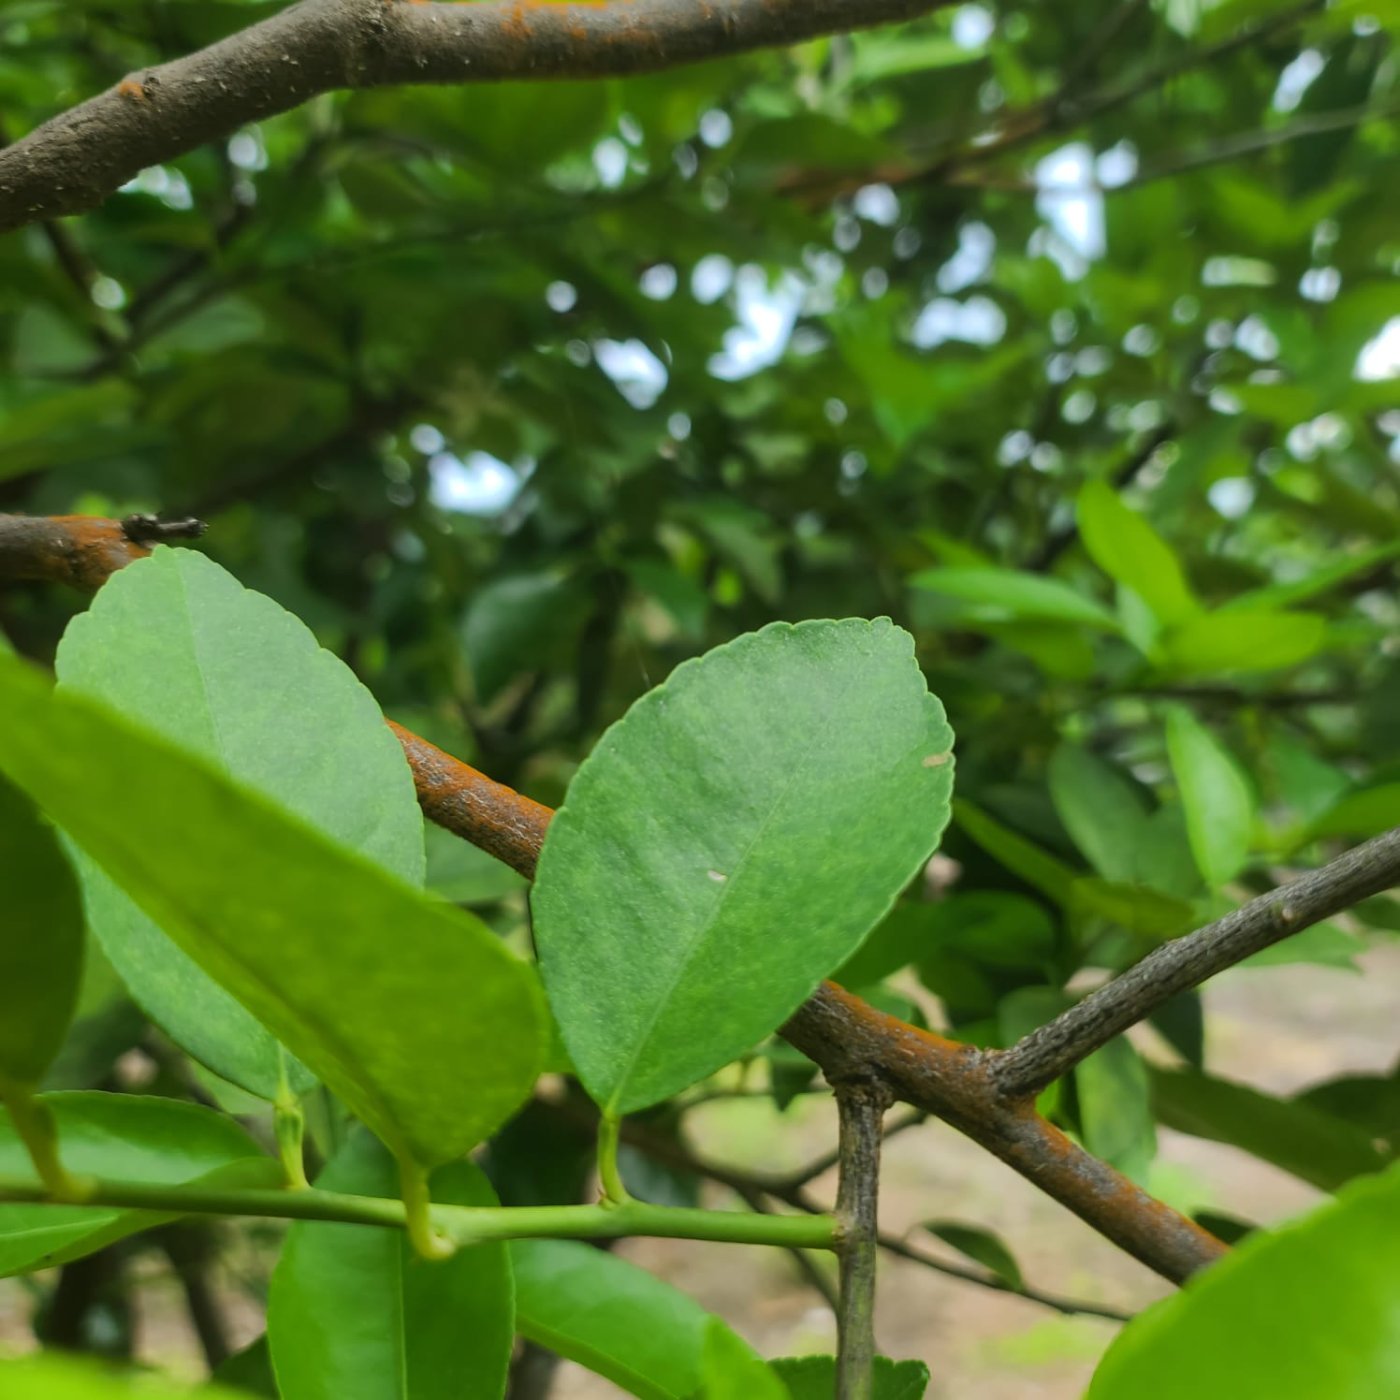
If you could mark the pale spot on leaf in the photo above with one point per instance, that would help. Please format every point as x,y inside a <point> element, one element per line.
<point>936,760</point>
<point>716,876</point>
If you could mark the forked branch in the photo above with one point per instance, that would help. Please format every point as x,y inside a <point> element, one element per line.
<point>986,1095</point>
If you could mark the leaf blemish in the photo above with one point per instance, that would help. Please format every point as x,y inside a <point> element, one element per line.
<point>936,760</point>
<point>716,876</point>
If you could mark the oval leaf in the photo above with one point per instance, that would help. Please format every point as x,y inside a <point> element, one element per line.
<point>355,1314</point>
<point>412,1011</point>
<point>129,1138</point>
<point>982,1247</point>
<point>1101,808</point>
<point>814,1378</point>
<point>729,843</point>
<point>180,645</point>
<point>1218,803</point>
<point>41,952</point>
<point>58,1377</point>
<point>1222,1337</point>
<point>1223,642</point>
<point>610,1316</point>
<point>1132,553</point>
<point>1010,595</point>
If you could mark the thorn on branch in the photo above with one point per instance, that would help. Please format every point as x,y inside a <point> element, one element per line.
<point>148,529</point>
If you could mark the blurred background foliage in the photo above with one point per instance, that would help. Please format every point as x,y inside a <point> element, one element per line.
<point>1066,336</point>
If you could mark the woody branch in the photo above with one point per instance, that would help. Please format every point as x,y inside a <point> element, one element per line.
<point>988,1095</point>
<point>76,159</point>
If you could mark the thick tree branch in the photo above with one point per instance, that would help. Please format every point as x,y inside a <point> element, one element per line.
<point>848,1039</point>
<point>82,550</point>
<point>1053,1050</point>
<point>74,161</point>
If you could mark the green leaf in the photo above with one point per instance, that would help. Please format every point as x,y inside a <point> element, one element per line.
<point>1115,1111</point>
<point>1319,581</point>
<point>518,623</point>
<point>1225,1334</point>
<point>465,874</point>
<point>610,1316</point>
<point>1008,595</point>
<point>1219,643</point>
<point>355,1314</point>
<point>180,645</point>
<point>1036,866</point>
<point>41,950</point>
<point>814,1377</point>
<point>1296,1136</point>
<point>796,778</point>
<point>414,1013</point>
<point>58,1377</point>
<point>250,1371</point>
<point>1131,552</point>
<point>1218,802</point>
<point>129,1138</point>
<point>1325,945</point>
<point>1102,810</point>
<point>1366,812</point>
<point>981,1246</point>
<point>732,1370</point>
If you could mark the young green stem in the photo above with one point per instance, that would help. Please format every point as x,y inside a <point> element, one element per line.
<point>462,1225</point>
<point>609,1177</point>
<point>289,1126</point>
<point>34,1123</point>
<point>862,1108</point>
<point>424,1234</point>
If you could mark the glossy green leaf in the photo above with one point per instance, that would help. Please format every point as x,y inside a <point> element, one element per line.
<point>178,644</point>
<point>1326,945</point>
<point>1309,1310</point>
<point>465,874</point>
<point>1371,1101</point>
<point>1130,551</point>
<point>1036,866</point>
<point>731,1369</point>
<point>796,778</point>
<point>1366,812</point>
<point>41,947</point>
<point>1317,582</point>
<point>814,1377</point>
<point>1219,643</point>
<point>355,1314</point>
<point>518,624</point>
<point>250,1371</point>
<point>1296,1136</point>
<point>610,1316</point>
<point>129,1138</point>
<point>981,1246</point>
<point>1217,800</point>
<point>1008,595</point>
<point>1115,1114</point>
<point>895,942</point>
<point>58,1377</point>
<point>414,1013</point>
<point>1101,808</point>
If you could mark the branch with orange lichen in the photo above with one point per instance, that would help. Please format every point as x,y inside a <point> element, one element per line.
<point>988,1095</point>
<point>78,158</point>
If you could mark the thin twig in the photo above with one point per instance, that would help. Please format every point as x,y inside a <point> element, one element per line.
<point>862,1107</point>
<point>1071,1307</point>
<point>1054,1049</point>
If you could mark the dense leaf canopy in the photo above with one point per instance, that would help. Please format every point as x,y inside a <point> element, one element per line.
<point>1066,337</point>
